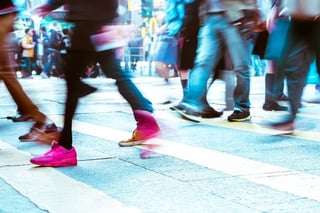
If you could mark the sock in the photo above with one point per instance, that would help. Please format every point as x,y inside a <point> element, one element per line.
<point>184,83</point>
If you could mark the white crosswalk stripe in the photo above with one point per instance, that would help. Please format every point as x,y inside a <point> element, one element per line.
<point>42,185</point>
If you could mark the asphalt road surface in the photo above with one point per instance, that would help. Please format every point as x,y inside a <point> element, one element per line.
<point>207,167</point>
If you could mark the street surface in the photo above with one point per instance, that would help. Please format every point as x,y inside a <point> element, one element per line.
<point>207,167</point>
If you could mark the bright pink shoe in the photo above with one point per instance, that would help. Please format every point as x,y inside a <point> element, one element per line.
<point>57,156</point>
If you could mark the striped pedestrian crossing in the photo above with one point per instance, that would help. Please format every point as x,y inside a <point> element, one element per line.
<point>42,185</point>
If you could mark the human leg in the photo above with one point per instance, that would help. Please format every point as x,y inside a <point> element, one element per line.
<point>147,127</point>
<point>295,63</point>
<point>209,52</point>
<point>44,130</point>
<point>238,49</point>
<point>62,153</point>
<point>270,103</point>
<point>186,57</point>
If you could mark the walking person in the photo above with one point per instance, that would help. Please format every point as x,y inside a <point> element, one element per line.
<point>54,62</point>
<point>182,22</point>
<point>45,43</point>
<point>224,27</point>
<point>98,14</point>
<point>44,129</point>
<point>64,48</point>
<point>301,46</point>
<point>28,52</point>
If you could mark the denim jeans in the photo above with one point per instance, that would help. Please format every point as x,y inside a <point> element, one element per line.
<point>215,37</point>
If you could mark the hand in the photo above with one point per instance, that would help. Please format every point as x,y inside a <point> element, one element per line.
<point>271,18</point>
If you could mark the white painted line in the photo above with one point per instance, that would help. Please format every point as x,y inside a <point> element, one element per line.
<point>279,178</point>
<point>248,126</point>
<point>51,190</point>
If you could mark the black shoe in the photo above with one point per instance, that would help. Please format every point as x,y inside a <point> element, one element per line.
<point>195,116</point>
<point>282,97</point>
<point>210,113</point>
<point>20,118</point>
<point>85,89</point>
<point>179,106</point>
<point>286,127</point>
<point>238,116</point>
<point>274,106</point>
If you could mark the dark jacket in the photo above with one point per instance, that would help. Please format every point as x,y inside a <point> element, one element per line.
<point>88,16</point>
<point>190,25</point>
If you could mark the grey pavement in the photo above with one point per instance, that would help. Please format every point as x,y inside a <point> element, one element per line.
<point>211,166</point>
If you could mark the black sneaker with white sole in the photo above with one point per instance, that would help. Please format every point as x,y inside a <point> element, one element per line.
<point>238,116</point>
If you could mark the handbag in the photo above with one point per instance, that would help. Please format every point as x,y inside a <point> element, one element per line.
<point>260,44</point>
<point>166,49</point>
<point>306,9</point>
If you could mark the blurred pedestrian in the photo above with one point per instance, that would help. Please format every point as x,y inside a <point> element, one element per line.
<point>54,62</point>
<point>44,129</point>
<point>28,52</point>
<point>92,21</point>
<point>301,45</point>
<point>225,27</point>
<point>45,43</point>
<point>65,46</point>
<point>183,23</point>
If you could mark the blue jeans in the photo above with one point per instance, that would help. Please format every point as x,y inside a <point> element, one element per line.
<point>215,37</point>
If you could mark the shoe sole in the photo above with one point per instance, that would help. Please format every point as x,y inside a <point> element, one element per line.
<point>188,117</point>
<point>283,132</point>
<point>174,108</point>
<point>273,109</point>
<point>63,163</point>
<point>197,119</point>
<point>138,142</point>
<point>240,119</point>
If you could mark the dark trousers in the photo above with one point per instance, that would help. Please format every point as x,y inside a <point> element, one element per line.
<point>302,45</point>
<point>76,63</point>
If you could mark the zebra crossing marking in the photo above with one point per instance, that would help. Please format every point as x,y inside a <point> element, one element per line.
<point>276,177</point>
<point>51,190</point>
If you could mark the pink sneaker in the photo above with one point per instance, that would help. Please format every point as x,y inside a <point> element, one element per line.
<point>57,156</point>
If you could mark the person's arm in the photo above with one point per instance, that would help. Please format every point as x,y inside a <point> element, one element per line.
<point>46,8</point>
<point>273,14</point>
